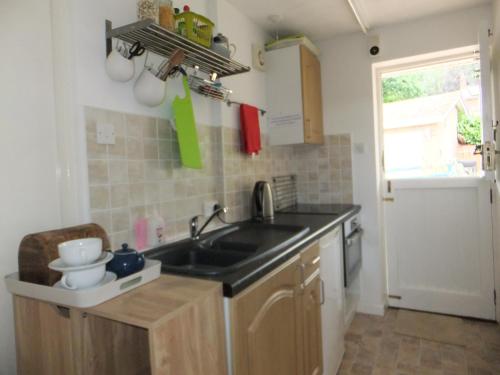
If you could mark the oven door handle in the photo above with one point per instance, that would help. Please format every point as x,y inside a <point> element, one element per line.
<point>358,232</point>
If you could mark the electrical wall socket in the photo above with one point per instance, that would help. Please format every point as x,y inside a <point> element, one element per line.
<point>105,133</point>
<point>208,207</point>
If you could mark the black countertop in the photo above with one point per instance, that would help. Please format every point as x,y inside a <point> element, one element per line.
<point>319,225</point>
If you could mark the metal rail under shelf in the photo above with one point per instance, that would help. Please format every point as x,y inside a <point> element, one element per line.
<point>164,42</point>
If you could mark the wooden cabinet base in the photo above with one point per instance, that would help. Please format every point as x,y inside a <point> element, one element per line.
<point>187,339</point>
<point>276,322</point>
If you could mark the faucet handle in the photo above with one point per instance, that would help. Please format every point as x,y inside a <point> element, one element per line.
<point>193,226</point>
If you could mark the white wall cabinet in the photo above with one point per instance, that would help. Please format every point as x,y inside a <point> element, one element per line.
<point>295,107</point>
<point>332,312</point>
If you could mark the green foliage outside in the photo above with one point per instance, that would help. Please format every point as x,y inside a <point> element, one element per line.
<point>431,81</point>
<point>401,88</point>
<point>469,128</point>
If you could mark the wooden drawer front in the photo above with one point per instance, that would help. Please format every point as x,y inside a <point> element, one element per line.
<point>310,260</point>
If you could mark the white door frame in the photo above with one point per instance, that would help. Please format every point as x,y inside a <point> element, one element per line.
<point>378,69</point>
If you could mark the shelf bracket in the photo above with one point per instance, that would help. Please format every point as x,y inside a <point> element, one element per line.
<point>109,39</point>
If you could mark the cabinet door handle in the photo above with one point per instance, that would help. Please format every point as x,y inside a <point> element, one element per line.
<point>315,260</point>
<point>322,297</point>
<point>302,269</point>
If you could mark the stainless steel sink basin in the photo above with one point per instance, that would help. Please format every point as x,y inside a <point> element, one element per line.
<point>228,249</point>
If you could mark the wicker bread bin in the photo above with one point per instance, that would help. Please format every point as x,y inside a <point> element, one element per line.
<point>37,250</point>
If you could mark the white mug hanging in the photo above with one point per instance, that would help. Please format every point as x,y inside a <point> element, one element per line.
<point>119,67</point>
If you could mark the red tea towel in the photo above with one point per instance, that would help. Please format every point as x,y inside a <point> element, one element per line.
<point>250,129</point>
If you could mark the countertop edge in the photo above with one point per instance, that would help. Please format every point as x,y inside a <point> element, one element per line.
<point>231,290</point>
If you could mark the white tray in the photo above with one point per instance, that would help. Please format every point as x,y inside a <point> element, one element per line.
<point>86,297</point>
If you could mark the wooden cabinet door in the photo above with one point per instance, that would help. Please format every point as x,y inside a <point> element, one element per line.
<point>266,325</point>
<point>313,352</point>
<point>311,97</point>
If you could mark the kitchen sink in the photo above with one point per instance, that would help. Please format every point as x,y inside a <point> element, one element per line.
<point>201,258</point>
<point>228,249</point>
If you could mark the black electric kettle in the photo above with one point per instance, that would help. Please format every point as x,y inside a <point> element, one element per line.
<point>262,201</point>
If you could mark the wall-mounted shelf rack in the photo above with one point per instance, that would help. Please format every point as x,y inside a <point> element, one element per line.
<point>164,42</point>
<point>208,88</point>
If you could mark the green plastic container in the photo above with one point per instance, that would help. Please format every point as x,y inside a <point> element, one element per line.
<point>195,27</point>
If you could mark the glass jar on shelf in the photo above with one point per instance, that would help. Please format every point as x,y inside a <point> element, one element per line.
<point>148,9</point>
<point>166,15</point>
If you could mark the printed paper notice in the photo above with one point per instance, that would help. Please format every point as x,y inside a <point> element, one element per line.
<point>286,120</point>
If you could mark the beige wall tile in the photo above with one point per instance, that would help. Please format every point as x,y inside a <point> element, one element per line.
<point>134,125</point>
<point>165,149</point>
<point>118,171</point>
<point>99,197</point>
<point>98,172</point>
<point>137,213</point>
<point>135,149</point>
<point>119,196</point>
<point>151,149</point>
<point>141,126</point>
<point>149,129</point>
<point>103,218</point>
<point>120,220</point>
<point>95,115</point>
<point>135,171</point>
<point>119,149</point>
<point>151,170</point>
<point>95,150</point>
<point>136,195</point>
<point>166,191</point>
<point>167,211</point>
<point>152,192</point>
<point>119,238</point>
<point>165,130</point>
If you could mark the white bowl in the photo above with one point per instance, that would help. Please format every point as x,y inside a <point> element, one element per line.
<point>84,278</point>
<point>80,252</point>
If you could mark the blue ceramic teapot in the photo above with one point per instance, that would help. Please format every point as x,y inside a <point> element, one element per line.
<point>126,262</point>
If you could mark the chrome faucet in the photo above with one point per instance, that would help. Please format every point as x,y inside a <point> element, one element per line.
<point>193,223</point>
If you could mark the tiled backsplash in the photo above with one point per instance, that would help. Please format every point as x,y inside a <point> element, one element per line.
<point>141,173</point>
<point>324,173</point>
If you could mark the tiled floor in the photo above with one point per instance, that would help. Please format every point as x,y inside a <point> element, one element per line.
<point>373,348</point>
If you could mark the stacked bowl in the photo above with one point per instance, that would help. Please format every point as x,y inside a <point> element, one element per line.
<point>82,263</point>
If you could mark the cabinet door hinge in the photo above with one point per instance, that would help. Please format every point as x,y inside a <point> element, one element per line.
<point>491,195</point>
<point>495,296</point>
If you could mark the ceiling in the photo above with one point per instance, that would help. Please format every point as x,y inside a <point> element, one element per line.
<point>321,19</point>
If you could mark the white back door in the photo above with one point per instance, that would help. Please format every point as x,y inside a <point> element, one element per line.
<point>438,234</point>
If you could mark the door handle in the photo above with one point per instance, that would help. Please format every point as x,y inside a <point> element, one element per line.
<point>488,152</point>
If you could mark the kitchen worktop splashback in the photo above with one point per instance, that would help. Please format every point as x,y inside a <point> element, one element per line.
<point>141,173</point>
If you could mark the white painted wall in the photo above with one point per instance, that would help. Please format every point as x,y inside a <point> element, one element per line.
<point>249,87</point>
<point>348,108</point>
<point>29,199</point>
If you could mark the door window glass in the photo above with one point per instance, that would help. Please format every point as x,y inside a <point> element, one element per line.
<point>432,120</point>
